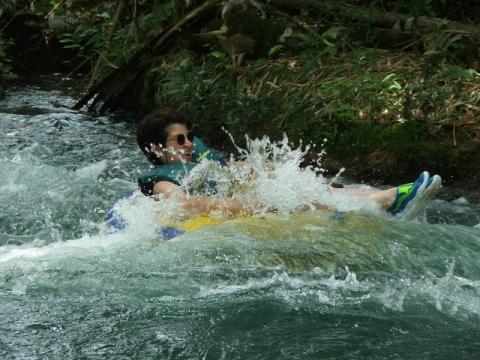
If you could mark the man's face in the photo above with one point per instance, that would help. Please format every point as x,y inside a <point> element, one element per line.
<point>174,151</point>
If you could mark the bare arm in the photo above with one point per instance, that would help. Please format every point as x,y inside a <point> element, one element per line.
<point>200,204</point>
<point>205,204</point>
<point>384,198</point>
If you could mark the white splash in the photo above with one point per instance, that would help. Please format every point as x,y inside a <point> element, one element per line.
<point>92,171</point>
<point>270,173</point>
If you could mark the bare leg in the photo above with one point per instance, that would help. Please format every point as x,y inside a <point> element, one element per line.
<point>384,198</point>
<point>400,197</point>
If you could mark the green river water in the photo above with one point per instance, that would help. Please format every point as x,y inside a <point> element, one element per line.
<point>299,286</point>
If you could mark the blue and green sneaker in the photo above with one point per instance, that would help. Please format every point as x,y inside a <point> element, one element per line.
<point>422,198</point>
<point>406,194</point>
<point>413,198</point>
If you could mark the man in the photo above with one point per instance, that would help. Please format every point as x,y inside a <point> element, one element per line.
<point>164,137</point>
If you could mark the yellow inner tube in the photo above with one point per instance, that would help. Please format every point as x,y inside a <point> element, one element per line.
<point>199,221</point>
<point>275,221</point>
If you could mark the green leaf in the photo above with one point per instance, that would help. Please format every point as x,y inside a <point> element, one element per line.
<point>275,50</point>
<point>72,46</point>
<point>105,15</point>
<point>332,32</point>
<point>66,41</point>
<point>388,77</point>
<point>218,54</point>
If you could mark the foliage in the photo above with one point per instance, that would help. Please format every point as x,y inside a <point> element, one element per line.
<point>85,36</point>
<point>6,6</point>
<point>427,7</point>
<point>137,31</point>
<point>89,37</point>
<point>84,39</point>
<point>352,101</point>
<point>4,61</point>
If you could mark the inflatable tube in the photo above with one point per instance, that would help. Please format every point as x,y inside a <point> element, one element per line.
<point>168,230</point>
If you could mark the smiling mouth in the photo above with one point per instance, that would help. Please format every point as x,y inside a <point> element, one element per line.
<point>184,153</point>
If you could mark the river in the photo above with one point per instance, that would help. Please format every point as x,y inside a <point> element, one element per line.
<point>294,286</point>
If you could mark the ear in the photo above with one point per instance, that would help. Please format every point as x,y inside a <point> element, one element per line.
<point>157,150</point>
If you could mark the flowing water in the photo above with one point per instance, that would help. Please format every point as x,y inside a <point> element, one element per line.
<point>353,285</point>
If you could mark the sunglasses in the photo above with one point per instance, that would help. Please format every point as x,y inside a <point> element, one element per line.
<point>180,138</point>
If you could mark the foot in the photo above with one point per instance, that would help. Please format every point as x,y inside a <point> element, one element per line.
<point>422,198</point>
<point>411,199</point>
<point>406,193</point>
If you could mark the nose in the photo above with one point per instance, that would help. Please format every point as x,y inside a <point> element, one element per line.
<point>188,143</point>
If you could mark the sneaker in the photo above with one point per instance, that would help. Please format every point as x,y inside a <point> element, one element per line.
<point>422,199</point>
<point>406,194</point>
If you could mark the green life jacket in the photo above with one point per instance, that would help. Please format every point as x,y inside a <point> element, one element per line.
<point>175,173</point>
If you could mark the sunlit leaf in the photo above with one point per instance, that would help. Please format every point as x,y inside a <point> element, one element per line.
<point>218,54</point>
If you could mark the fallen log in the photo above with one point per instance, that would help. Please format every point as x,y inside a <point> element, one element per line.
<point>387,20</point>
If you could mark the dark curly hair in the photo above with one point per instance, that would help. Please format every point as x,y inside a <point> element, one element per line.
<point>152,129</point>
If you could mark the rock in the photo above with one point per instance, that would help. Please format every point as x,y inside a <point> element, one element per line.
<point>460,201</point>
